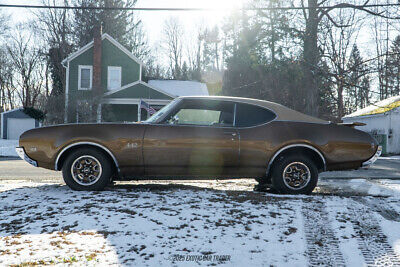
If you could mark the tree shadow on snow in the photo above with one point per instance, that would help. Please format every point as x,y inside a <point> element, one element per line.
<point>140,222</point>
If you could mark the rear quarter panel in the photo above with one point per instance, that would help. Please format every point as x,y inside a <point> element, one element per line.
<point>338,144</point>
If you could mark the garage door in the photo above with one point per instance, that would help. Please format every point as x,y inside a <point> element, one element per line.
<point>16,127</point>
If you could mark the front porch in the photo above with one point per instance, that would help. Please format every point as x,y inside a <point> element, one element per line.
<point>127,110</point>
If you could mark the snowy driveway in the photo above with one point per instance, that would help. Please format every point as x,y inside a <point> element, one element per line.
<point>354,222</point>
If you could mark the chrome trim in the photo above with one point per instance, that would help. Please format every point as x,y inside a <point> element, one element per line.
<point>295,145</point>
<point>234,114</point>
<point>178,100</point>
<point>311,122</point>
<point>254,104</point>
<point>257,105</point>
<point>373,158</point>
<point>225,100</point>
<point>21,153</point>
<point>290,167</point>
<point>86,143</point>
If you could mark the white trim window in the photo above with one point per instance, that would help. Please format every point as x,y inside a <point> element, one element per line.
<point>113,78</point>
<point>85,77</point>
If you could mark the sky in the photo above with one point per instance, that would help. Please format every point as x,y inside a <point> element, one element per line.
<point>153,20</point>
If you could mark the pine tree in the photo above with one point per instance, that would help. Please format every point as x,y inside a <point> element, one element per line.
<point>356,82</point>
<point>393,67</point>
<point>122,25</point>
<point>274,28</point>
<point>211,49</point>
<point>364,95</point>
<point>184,72</point>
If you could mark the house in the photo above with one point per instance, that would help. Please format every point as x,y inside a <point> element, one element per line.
<point>382,120</point>
<point>181,88</point>
<point>14,122</point>
<point>107,72</point>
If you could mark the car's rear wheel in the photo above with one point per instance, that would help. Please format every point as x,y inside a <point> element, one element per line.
<point>294,174</point>
<point>87,169</point>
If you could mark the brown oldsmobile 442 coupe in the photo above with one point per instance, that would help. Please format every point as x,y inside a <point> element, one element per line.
<point>202,138</point>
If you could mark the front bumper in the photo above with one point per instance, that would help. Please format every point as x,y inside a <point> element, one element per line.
<point>21,153</point>
<point>374,157</point>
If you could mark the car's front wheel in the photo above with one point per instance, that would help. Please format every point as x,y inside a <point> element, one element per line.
<point>294,174</point>
<point>87,169</point>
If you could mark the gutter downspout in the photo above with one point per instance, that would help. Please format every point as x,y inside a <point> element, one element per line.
<point>66,91</point>
<point>97,88</point>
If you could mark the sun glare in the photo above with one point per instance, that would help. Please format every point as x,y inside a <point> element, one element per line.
<point>222,7</point>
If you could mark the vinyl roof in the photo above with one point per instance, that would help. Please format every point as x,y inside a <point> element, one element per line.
<point>283,113</point>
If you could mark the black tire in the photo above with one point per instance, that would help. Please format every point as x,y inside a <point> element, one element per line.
<point>264,180</point>
<point>299,161</point>
<point>98,157</point>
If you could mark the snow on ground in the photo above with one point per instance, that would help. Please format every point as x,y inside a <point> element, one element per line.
<point>395,157</point>
<point>7,148</point>
<point>200,223</point>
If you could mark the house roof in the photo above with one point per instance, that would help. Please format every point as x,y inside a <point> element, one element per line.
<point>11,110</point>
<point>90,45</point>
<point>180,88</point>
<point>142,83</point>
<point>377,108</point>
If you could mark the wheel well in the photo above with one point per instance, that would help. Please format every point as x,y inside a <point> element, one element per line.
<point>299,150</point>
<point>67,152</point>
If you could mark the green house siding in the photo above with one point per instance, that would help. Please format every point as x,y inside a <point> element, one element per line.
<point>139,91</point>
<point>83,59</point>
<point>113,56</point>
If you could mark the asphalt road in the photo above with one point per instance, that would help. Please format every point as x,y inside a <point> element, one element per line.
<point>16,169</point>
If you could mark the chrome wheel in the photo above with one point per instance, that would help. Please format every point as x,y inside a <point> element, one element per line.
<point>86,170</point>
<point>296,175</point>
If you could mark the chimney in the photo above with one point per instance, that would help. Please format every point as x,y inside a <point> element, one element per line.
<point>97,89</point>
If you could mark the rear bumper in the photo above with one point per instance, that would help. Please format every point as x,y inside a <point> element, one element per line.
<point>21,153</point>
<point>374,157</point>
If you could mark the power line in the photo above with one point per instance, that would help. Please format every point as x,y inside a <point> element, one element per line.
<point>339,6</point>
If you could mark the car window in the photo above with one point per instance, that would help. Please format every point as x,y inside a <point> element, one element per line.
<point>249,115</point>
<point>198,116</point>
<point>203,112</point>
<point>166,109</point>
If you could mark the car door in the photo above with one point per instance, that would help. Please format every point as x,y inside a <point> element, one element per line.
<point>196,139</point>
<point>252,123</point>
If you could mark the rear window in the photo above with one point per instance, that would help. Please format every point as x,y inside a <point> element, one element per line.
<point>249,115</point>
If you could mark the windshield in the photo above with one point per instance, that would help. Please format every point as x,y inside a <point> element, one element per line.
<point>166,109</point>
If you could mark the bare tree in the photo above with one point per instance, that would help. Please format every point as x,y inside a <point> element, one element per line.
<point>4,66</point>
<point>319,10</point>
<point>194,50</point>
<point>173,43</point>
<point>7,91</point>
<point>27,65</point>
<point>337,45</point>
<point>138,41</point>
<point>54,27</point>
